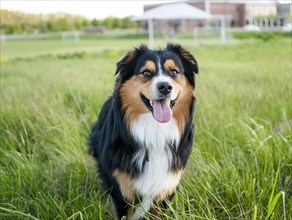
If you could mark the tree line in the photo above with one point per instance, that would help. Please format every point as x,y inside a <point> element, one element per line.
<point>15,22</point>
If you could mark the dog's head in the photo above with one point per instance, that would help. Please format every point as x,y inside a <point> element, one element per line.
<point>157,81</point>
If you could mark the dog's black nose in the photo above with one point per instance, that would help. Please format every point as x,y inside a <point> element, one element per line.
<point>164,87</point>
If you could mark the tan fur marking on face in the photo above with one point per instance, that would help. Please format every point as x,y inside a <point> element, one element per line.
<point>169,64</point>
<point>181,111</point>
<point>149,66</point>
<point>125,184</point>
<point>131,101</point>
<point>168,192</point>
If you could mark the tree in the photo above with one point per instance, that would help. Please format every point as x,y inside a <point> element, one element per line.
<point>14,22</point>
<point>95,22</point>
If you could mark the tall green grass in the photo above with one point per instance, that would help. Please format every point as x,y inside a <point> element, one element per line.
<point>240,167</point>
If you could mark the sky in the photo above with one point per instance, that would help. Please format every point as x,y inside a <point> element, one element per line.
<point>90,9</point>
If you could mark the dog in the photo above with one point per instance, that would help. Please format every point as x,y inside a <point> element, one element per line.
<point>144,133</point>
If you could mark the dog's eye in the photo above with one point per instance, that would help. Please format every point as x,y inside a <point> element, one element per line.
<point>146,74</point>
<point>173,72</point>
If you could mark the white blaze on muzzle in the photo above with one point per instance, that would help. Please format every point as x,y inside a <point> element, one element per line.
<point>162,111</point>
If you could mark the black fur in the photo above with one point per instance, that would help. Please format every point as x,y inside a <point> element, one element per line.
<point>111,142</point>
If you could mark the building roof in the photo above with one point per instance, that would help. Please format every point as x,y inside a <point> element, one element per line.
<point>174,11</point>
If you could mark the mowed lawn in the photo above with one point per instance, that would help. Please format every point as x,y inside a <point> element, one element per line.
<point>52,92</point>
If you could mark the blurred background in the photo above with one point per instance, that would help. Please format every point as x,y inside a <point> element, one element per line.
<point>198,20</point>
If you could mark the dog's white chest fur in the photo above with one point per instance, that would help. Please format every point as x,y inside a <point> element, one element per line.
<point>156,139</point>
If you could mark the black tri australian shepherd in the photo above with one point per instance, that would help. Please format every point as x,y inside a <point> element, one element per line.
<point>144,134</point>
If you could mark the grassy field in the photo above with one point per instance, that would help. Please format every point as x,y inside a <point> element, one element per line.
<point>52,92</point>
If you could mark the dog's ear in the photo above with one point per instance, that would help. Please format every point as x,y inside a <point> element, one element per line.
<point>189,62</point>
<point>126,66</point>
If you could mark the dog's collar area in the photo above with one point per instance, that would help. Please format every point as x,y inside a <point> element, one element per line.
<point>149,104</point>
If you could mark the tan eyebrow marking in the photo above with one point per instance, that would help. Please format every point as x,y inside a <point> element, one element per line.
<point>150,66</point>
<point>169,64</point>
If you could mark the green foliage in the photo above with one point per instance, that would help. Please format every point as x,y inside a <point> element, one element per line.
<point>51,93</point>
<point>95,22</point>
<point>19,23</point>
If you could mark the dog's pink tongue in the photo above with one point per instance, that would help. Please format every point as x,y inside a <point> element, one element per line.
<point>161,110</point>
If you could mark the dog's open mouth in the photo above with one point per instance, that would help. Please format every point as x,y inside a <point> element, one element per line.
<point>161,108</point>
